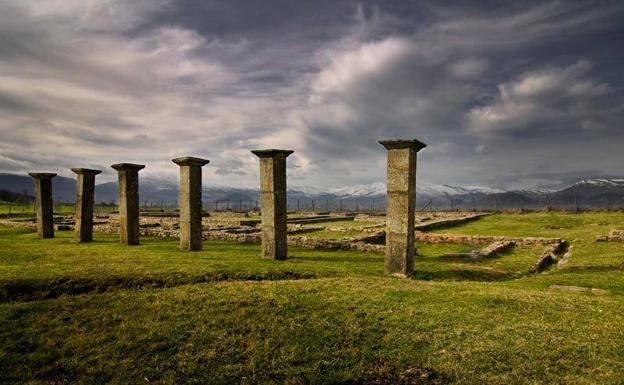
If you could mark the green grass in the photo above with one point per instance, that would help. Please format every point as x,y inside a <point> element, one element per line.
<point>153,314</point>
<point>59,208</point>
<point>31,268</point>
<point>323,331</point>
<point>594,264</point>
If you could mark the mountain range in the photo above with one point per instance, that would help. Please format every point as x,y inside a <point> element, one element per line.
<point>585,193</point>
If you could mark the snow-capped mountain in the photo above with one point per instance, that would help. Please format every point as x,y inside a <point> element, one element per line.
<point>362,190</point>
<point>608,183</point>
<point>585,193</point>
<point>448,190</point>
<point>379,189</point>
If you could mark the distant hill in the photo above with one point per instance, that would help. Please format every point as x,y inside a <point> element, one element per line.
<point>585,193</point>
<point>10,196</point>
<point>63,189</point>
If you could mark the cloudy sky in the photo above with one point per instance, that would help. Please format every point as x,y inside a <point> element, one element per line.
<point>520,94</point>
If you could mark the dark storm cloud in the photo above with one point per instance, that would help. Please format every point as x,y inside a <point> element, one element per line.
<point>504,94</point>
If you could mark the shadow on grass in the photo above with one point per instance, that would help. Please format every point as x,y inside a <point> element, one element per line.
<point>592,268</point>
<point>482,275</point>
<point>354,259</point>
<point>34,290</point>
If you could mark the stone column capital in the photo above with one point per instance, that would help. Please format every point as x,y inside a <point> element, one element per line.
<point>42,175</point>
<point>190,161</point>
<point>399,144</point>
<point>86,171</point>
<point>272,153</point>
<point>128,166</point>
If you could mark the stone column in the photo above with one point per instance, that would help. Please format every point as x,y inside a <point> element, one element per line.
<point>85,194</point>
<point>273,202</point>
<point>190,202</point>
<point>128,202</point>
<point>400,215</point>
<point>43,203</point>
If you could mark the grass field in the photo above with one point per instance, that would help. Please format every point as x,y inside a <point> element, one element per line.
<point>59,208</point>
<point>106,313</point>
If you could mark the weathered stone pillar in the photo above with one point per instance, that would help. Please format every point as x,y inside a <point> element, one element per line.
<point>190,202</point>
<point>128,202</point>
<point>400,214</point>
<point>85,195</point>
<point>273,202</point>
<point>43,203</point>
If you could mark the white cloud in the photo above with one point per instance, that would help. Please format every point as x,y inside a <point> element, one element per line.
<point>544,97</point>
<point>469,68</point>
<point>90,83</point>
<point>100,98</point>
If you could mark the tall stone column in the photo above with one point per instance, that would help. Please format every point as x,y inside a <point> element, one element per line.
<point>273,202</point>
<point>43,203</point>
<point>190,202</point>
<point>128,202</point>
<point>85,195</point>
<point>400,215</point>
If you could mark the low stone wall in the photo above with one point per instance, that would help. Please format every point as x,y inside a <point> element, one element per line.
<point>447,222</point>
<point>236,237</point>
<point>318,219</point>
<point>613,236</point>
<point>489,251</point>
<point>31,224</point>
<point>461,238</point>
<point>334,244</point>
<point>370,218</point>
<point>346,229</point>
<point>298,229</point>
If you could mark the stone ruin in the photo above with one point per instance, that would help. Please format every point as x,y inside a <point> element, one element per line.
<point>85,195</point>
<point>401,182</point>
<point>275,231</point>
<point>190,202</point>
<point>44,204</point>
<point>273,202</point>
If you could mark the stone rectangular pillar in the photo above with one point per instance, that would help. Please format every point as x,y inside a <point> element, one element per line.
<point>128,202</point>
<point>43,203</point>
<point>273,202</point>
<point>190,202</point>
<point>85,196</point>
<point>400,215</point>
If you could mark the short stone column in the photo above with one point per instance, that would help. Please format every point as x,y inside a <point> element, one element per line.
<point>128,202</point>
<point>400,211</point>
<point>190,202</point>
<point>273,202</point>
<point>85,196</point>
<point>43,203</point>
